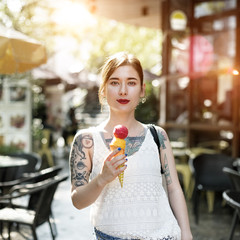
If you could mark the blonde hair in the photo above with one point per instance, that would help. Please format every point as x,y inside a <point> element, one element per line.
<point>114,62</point>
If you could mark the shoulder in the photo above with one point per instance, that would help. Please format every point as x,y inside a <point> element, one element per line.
<point>163,137</point>
<point>83,145</point>
<point>84,137</point>
<point>160,131</point>
<point>83,132</point>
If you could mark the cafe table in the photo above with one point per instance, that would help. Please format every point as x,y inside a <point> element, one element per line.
<point>9,166</point>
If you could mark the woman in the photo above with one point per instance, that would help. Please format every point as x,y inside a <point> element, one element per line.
<point>141,209</point>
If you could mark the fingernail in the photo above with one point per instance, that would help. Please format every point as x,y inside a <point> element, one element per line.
<point>119,149</point>
<point>126,159</point>
<point>125,154</point>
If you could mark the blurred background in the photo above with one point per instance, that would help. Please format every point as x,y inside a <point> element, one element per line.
<point>50,58</point>
<point>188,50</point>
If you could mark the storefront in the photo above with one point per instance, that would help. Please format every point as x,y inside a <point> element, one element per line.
<point>200,73</point>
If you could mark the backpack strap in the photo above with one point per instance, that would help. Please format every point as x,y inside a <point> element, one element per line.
<point>156,140</point>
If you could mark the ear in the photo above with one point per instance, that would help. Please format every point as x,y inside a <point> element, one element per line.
<point>142,94</point>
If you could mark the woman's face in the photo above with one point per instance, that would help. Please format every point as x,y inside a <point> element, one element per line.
<point>123,89</point>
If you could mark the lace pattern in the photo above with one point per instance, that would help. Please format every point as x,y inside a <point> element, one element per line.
<point>139,210</point>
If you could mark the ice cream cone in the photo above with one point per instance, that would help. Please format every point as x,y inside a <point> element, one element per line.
<point>120,132</point>
<point>121,175</point>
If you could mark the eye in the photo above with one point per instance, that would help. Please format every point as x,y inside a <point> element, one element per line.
<point>132,83</point>
<point>114,83</point>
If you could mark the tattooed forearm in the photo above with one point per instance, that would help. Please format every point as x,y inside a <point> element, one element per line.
<point>167,171</point>
<point>79,170</point>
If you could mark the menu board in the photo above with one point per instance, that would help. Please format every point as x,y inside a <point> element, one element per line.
<point>15,113</point>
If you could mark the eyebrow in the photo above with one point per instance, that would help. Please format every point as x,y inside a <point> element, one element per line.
<point>130,78</point>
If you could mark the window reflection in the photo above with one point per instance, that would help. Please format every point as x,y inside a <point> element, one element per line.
<point>178,96</point>
<point>201,53</point>
<point>212,101</point>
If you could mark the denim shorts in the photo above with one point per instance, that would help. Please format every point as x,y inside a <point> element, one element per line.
<point>103,236</point>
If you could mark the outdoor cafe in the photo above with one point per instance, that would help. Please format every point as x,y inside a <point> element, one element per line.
<point>196,92</point>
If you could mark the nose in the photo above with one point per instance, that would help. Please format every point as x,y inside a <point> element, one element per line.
<point>123,89</point>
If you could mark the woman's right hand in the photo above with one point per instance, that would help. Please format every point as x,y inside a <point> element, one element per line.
<point>113,166</point>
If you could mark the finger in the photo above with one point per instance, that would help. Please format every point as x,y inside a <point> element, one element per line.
<point>117,158</point>
<point>119,163</point>
<point>121,169</point>
<point>112,154</point>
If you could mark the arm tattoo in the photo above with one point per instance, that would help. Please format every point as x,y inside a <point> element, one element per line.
<point>79,171</point>
<point>167,171</point>
<point>162,138</point>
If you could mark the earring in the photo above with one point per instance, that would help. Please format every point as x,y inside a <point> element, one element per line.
<point>143,100</point>
<point>104,99</point>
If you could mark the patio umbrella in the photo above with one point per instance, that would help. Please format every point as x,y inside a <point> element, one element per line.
<point>18,52</point>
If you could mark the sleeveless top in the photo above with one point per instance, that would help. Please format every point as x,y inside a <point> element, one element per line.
<point>139,210</point>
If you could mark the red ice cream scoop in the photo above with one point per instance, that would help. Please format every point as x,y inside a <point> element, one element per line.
<point>120,131</point>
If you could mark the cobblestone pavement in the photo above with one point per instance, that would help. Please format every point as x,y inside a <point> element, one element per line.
<point>73,224</point>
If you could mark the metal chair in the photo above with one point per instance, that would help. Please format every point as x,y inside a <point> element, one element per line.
<point>34,162</point>
<point>209,177</point>
<point>232,198</point>
<point>39,213</point>
<point>234,177</point>
<point>30,177</point>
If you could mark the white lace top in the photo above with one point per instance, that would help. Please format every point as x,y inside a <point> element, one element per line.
<point>139,210</point>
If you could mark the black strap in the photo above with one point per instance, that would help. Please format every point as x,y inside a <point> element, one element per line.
<point>156,140</point>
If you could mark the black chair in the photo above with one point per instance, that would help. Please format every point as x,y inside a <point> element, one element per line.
<point>209,177</point>
<point>232,198</point>
<point>45,173</point>
<point>39,213</point>
<point>34,162</point>
<point>30,177</point>
<point>234,177</point>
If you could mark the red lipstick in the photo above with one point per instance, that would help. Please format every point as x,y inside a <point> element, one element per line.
<point>123,101</point>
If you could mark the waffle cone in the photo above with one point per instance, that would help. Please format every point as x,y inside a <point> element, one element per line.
<point>122,151</point>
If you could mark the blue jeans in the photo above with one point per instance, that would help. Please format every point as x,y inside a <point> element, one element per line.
<point>103,236</point>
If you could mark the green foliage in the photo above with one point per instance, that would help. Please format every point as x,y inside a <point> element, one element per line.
<point>109,37</point>
<point>148,112</point>
<point>7,149</point>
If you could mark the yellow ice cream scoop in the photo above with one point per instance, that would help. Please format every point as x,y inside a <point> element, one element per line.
<point>118,142</point>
